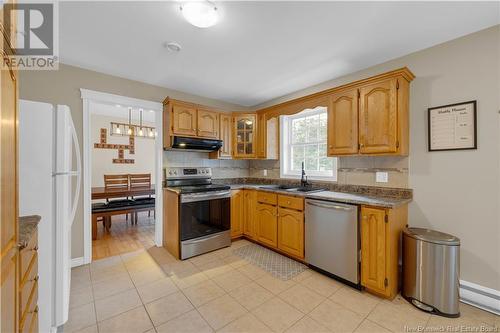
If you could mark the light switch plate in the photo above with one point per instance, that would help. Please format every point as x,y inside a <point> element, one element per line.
<point>381,177</point>
<point>264,172</point>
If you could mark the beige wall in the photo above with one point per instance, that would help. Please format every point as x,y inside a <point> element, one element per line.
<point>102,159</point>
<point>63,87</point>
<point>454,191</point>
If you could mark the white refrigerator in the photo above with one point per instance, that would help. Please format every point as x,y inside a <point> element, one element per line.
<point>49,186</point>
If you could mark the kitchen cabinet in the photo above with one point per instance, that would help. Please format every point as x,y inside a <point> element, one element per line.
<point>267,137</point>
<point>171,230</point>
<point>191,120</point>
<point>184,120</point>
<point>343,123</point>
<point>28,286</point>
<point>208,124</point>
<point>267,224</point>
<point>225,130</point>
<point>250,203</point>
<point>237,213</point>
<point>291,231</point>
<point>8,187</point>
<point>245,129</point>
<point>261,135</point>
<point>378,117</point>
<point>380,238</point>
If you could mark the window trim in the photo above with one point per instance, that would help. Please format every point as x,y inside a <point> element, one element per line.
<point>285,148</point>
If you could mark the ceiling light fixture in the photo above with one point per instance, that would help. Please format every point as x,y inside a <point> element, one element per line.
<point>201,14</point>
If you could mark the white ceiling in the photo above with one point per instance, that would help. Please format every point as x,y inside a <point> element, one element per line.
<point>258,50</point>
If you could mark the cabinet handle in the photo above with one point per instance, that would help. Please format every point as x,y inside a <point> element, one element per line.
<point>35,248</point>
<point>35,310</point>
<point>330,146</point>
<point>288,202</point>
<point>35,278</point>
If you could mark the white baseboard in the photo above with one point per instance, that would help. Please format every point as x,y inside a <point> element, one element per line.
<point>75,262</point>
<point>482,297</point>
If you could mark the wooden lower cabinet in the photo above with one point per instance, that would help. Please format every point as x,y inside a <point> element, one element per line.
<point>380,242</point>
<point>28,286</point>
<point>267,224</point>
<point>237,213</point>
<point>291,232</point>
<point>250,211</point>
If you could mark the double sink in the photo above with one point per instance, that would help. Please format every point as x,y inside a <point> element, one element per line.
<point>289,188</point>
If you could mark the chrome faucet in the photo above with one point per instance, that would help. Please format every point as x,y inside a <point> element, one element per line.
<point>303,178</point>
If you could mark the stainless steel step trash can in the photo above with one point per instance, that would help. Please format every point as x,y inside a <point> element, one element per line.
<point>431,262</point>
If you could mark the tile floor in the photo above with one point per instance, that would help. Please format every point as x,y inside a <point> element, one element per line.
<point>149,291</point>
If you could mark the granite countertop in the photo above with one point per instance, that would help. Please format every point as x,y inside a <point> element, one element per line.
<point>351,198</point>
<point>27,226</point>
<point>372,198</point>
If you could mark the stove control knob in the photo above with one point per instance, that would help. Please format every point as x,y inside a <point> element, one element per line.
<point>169,172</point>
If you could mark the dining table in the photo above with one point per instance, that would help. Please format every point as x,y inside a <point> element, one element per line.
<point>100,192</point>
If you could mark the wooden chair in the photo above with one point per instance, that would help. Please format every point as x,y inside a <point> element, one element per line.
<point>141,180</point>
<point>116,182</point>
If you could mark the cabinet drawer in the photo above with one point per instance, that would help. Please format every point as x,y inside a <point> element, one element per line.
<point>27,286</point>
<point>268,198</point>
<point>291,202</point>
<point>28,298</point>
<point>28,255</point>
<point>31,308</point>
<point>34,322</point>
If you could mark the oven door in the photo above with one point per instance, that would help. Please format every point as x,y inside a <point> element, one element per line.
<point>203,214</point>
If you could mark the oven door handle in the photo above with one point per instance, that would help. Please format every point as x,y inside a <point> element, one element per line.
<point>202,197</point>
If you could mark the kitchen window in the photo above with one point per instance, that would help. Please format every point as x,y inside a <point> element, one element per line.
<point>303,140</point>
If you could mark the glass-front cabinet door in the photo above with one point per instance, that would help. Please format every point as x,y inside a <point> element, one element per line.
<point>245,129</point>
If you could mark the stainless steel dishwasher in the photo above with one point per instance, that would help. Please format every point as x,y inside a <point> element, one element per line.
<point>332,239</point>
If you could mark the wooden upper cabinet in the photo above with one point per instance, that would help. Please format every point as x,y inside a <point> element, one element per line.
<point>373,249</point>
<point>245,129</point>
<point>261,135</point>
<point>343,123</point>
<point>208,124</point>
<point>225,134</point>
<point>378,117</point>
<point>184,120</point>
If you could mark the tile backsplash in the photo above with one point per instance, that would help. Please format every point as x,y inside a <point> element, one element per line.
<point>353,170</point>
<point>220,168</point>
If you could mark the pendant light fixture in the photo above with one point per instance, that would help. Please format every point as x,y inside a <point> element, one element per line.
<point>141,133</point>
<point>129,121</point>
<point>201,14</point>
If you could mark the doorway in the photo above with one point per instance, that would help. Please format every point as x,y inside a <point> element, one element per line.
<point>122,171</point>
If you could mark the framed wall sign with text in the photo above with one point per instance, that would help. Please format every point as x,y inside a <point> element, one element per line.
<point>453,127</point>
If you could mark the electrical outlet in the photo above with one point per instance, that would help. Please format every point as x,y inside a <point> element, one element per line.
<point>264,172</point>
<point>381,177</point>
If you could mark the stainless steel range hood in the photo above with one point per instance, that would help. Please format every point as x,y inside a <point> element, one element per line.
<point>181,143</point>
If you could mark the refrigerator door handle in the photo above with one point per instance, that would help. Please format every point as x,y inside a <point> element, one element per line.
<point>78,172</point>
